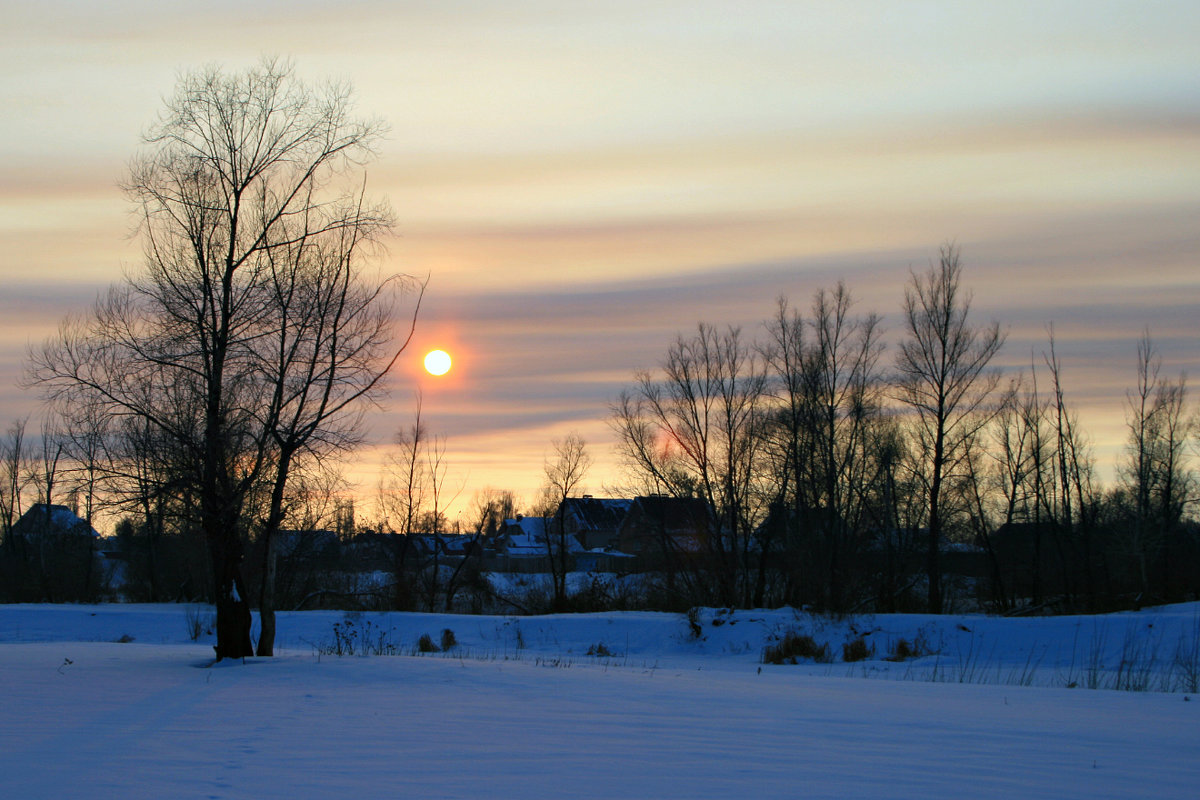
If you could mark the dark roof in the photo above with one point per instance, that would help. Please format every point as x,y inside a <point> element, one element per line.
<point>596,513</point>
<point>41,518</point>
<point>673,511</point>
<point>290,542</point>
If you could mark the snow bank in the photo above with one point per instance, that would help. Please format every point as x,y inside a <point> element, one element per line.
<point>518,710</point>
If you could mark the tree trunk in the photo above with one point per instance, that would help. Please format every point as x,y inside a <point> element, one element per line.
<point>233,611</point>
<point>933,565</point>
<point>266,598</point>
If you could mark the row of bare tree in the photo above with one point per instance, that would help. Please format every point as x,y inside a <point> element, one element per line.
<point>819,466</point>
<point>839,483</point>
<point>205,393</point>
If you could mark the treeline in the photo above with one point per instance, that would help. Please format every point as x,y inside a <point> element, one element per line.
<point>838,476</point>
<point>846,478</point>
<point>316,554</point>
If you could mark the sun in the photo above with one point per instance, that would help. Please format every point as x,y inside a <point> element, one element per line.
<point>437,362</point>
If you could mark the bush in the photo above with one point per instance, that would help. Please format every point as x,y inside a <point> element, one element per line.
<point>857,650</point>
<point>351,637</point>
<point>693,621</point>
<point>794,647</point>
<point>198,623</point>
<point>425,644</point>
<point>599,649</point>
<point>903,650</point>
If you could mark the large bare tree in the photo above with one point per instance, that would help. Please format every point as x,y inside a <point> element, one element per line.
<point>251,219</point>
<point>329,346</point>
<point>944,378</point>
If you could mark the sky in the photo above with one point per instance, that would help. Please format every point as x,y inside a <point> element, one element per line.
<point>581,182</point>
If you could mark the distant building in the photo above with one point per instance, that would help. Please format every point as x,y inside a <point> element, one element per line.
<point>520,546</point>
<point>658,526</point>
<point>54,520</point>
<point>593,521</point>
<point>603,534</point>
<point>291,543</point>
<point>59,554</point>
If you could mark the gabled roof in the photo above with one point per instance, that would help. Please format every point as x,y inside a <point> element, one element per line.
<point>290,542</point>
<point>596,513</point>
<point>674,513</point>
<point>526,536</point>
<point>61,520</point>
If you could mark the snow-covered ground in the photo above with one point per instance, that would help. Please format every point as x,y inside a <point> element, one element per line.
<point>118,701</point>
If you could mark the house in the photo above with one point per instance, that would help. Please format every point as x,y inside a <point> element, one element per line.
<point>658,525</point>
<point>54,520</point>
<point>60,552</point>
<point>291,543</point>
<point>524,544</point>
<point>602,534</point>
<point>593,521</point>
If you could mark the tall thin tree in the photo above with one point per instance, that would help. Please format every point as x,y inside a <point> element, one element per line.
<point>943,378</point>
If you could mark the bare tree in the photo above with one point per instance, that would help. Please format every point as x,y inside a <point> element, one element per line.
<point>1156,472</point>
<point>828,389</point>
<point>414,495</point>
<point>14,481</point>
<point>698,433</point>
<point>330,345</point>
<point>490,508</point>
<point>318,497</point>
<point>148,479</point>
<point>1077,494</point>
<point>944,378</point>
<point>242,173</point>
<point>403,490</point>
<point>404,484</point>
<point>564,475</point>
<point>13,476</point>
<point>434,521</point>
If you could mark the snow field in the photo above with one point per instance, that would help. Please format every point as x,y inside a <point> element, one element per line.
<point>529,715</point>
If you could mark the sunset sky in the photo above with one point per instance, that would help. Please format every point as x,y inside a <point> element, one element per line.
<point>582,181</point>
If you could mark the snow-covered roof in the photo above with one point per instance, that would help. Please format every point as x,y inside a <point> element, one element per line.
<point>527,536</point>
<point>41,518</point>
<point>597,513</point>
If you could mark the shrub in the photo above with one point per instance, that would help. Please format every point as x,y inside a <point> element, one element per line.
<point>350,638</point>
<point>198,623</point>
<point>425,644</point>
<point>693,621</point>
<point>345,639</point>
<point>599,649</point>
<point>903,650</point>
<point>1187,659</point>
<point>857,650</point>
<point>793,647</point>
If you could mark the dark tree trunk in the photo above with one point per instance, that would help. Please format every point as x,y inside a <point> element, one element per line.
<point>933,562</point>
<point>233,611</point>
<point>266,597</point>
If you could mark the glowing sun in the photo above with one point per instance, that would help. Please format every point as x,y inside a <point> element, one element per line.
<point>437,362</point>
